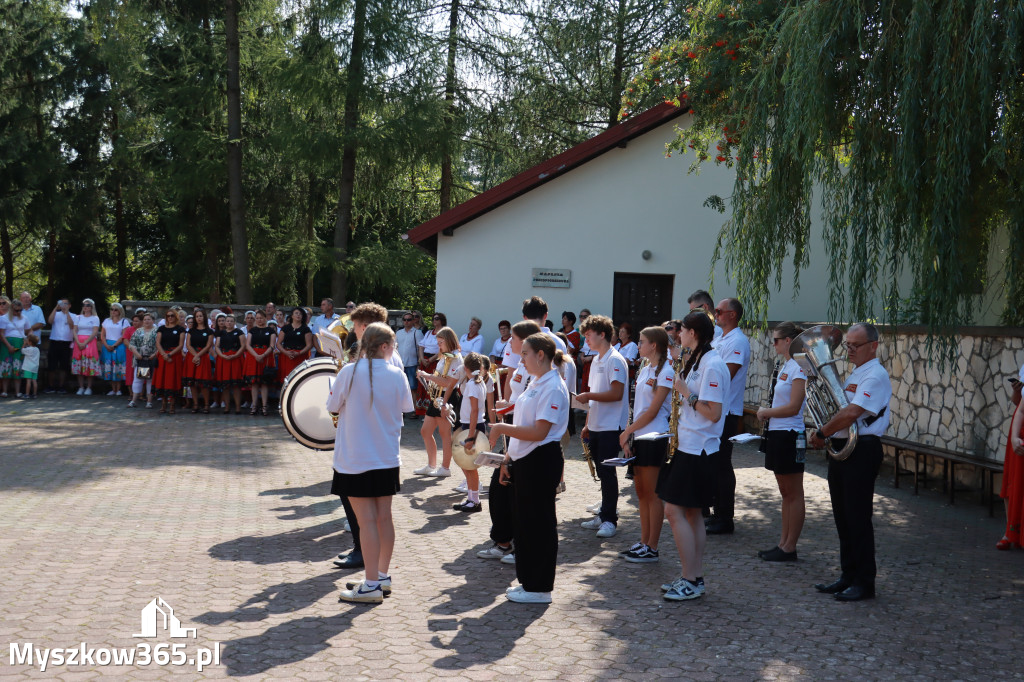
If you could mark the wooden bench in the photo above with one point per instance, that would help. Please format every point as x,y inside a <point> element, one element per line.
<point>950,460</point>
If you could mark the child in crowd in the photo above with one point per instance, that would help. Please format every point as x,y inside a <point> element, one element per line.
<point>30,365</point>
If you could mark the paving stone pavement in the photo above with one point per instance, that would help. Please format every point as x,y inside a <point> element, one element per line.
<point>103,509</point>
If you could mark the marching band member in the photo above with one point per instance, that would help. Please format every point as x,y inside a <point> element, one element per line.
<point>785,423</point>
<point>686,482</point>
<point>535,309</point>
<point>534,465</point>
<point>473,387</point>
<point>437,419</point>
<point>851,483</point>
<point>370,396</point>
<point>500,504</point>
<point>650,415</point>
<point>607,417</point>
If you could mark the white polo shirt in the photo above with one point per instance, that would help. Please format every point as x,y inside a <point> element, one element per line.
<point>558,342</point>
<point>60,331</point>
<point>545,400</point>
<point>517,383</point>
<point>568,373</point>
<point>510,359</point>
<point>869,387</point>
<point>734,349</point>
<point>647,380</point>
<point>709,381</point>
<point>472,389</point>
<point>605,371</point>
<point>788,373</point>
<point>369,434</point>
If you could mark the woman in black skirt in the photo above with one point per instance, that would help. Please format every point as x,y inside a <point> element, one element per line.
<point>370,396</point>
<point>534,464</point>
<point>686,481</point>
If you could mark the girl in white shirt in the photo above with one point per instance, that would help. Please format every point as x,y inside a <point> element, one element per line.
<point>113,351</point>
<point>685,484</point>
<point>370,396</point>
<point>85,354</point>
<point>534,465</point>
<point>473,387</point>
<point>785,424</point>
<point>436,418</point>
<point>651,408</point>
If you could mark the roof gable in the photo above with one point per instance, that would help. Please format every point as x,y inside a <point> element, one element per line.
<point>543,172</point>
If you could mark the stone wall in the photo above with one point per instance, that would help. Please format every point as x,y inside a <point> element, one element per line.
<point>964,407</point>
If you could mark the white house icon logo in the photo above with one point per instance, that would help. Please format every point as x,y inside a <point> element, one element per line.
<point>151,621</point>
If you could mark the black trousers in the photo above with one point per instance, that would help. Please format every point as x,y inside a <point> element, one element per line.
<point>725,477</point>
<point>500,506</point>
<point>534,479</point>
<point>603,445</point>
<point>851,485</point>
<point>350,513</point>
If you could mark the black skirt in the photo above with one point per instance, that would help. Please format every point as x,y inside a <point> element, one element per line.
<point>650,453</point>
<point>687,481</point>
<point>372,483</point>
<point>780,453</point>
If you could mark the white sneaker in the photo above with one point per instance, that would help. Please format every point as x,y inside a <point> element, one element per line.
<point>494,552</point>
<point>111,393</point>
<point>509,558</point>
<point>441,472</point>
<point>592,524</point>
<point>80,391</point>
<point>461,488</point>
<point>348,526</point>
<point>385,585</point>
<point>88,391</point>
<point>524,597</point>
<point>424,470</point>
<point>668,586</point>
<point>361,593</point>
<point>683,590</point>
<point>560,488</point>
<point>607,530</point>
<point>594,508</point>
<point>514,588</point>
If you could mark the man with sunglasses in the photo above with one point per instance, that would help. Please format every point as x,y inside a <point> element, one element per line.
<point>851,482</point>
<point>734,348</point>
<point>407,341</point>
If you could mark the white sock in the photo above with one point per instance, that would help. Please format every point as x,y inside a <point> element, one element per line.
<point>371,584</point>
<point>474,496</point>
<point>383,576</point>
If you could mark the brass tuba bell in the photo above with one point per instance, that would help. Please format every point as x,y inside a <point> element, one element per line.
<point>814,351</point>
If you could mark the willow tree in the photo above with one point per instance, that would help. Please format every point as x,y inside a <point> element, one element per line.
<point>899,119</point>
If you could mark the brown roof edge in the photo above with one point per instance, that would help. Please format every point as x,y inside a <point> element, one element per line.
<point>544,172</point>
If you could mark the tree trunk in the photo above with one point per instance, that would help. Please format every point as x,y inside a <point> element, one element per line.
<point>618,67</point>
<point>346,187</point>
<point>8,259</point>
<point>119,228</point>
<point>449,109</point>
<point>51,269</point>
<point>311,264</point>
<point>236,209</point>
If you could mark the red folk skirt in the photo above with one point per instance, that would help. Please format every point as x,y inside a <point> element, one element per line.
<point>197,375</point>
<point>229,372</point>
<point>167,376</point>
<point>285,365</point>
<point>1013,491</point>
<point>252,371</point>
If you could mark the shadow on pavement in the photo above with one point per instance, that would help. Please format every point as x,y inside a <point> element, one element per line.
<point>490,637</point>
<point>315,543</point>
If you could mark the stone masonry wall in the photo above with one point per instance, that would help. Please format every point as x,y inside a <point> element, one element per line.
<point>964,407</point>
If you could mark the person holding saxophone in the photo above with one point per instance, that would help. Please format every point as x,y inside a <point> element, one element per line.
<point>783,455</point>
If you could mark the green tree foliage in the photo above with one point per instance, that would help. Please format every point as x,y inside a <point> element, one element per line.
<point>899,119</point>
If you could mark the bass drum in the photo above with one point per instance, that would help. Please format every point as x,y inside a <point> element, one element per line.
<point>304,403</point>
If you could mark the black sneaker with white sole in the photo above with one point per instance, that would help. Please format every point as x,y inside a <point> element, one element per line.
<point>644,555</point>
<point>632,548</point>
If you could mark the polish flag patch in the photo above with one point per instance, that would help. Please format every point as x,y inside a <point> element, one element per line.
<point>866,394</point>
<point>554,407</point>
<point>713,385</point>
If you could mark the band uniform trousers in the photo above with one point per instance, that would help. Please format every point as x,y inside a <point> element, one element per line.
<point>500,507</point>
<point>604,445</point>
<point>534,479</point>
<point>725,477</point>
<point>350,514</point>
<point>851,485</point>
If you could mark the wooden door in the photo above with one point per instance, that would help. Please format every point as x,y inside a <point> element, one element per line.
<point>642,300</point>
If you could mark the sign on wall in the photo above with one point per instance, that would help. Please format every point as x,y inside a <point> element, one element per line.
<point>549,277</point>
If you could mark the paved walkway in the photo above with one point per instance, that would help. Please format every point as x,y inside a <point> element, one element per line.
<point>103,509</point>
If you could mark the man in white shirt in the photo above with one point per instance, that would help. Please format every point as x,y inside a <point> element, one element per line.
<point>535,309</point>
<point>701,300</point>
<point>32,313</point>
<point>325,318</point>
<point>609,411</point>
<point>851,482</point>
<point>58,357</point>
<point>473,342</point>
<point>734,348</point>
<point>407,343</point>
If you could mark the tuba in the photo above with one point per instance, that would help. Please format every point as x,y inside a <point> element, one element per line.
<point>814,351</point>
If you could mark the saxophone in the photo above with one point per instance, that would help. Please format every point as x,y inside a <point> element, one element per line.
<point>677,400</point>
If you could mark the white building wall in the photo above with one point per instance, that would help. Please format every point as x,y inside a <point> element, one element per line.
<point>597,220</point>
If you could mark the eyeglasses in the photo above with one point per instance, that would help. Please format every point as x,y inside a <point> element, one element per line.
<point>854,346</point>
<point>438,319</point>
<point>406,319</point>
<point>776,339</point>
<point>719,311</point>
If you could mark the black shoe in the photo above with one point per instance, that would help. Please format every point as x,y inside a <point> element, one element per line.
<point>353,559</point>
<point>762,552</point>
<point>720,527</point>
<point>468,507</point>
<point>778,555</point>
<point>832,588</point>
<point>855,593</point>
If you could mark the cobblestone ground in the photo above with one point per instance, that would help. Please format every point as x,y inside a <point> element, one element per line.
<point>228,520</point>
